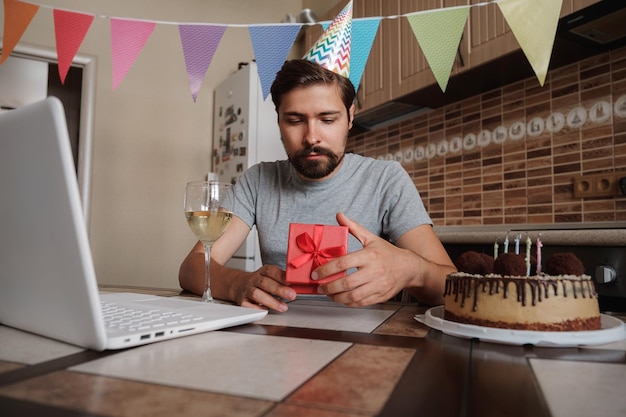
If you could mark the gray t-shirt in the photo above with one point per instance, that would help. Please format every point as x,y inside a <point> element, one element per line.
<point>379,195</point>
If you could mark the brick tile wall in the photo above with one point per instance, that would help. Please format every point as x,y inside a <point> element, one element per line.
<point>509,156</point>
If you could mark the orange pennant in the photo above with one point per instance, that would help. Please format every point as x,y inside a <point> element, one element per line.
<point>70,30</point>
<point>17,17</point>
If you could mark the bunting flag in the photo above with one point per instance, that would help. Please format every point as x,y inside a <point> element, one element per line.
<point>438,33</point>
<point>128,37</point>
<point>17,17</point>
<point>199,44</point>
<point>332,49</point>
<point>363,31</point>
<point>70,29</point>
<point>271,45</point>
<point>534,23</point>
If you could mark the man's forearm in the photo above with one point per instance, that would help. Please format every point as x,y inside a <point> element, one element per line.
<point>192,273</point>
<point>222,280</point>
<point>431,293</point>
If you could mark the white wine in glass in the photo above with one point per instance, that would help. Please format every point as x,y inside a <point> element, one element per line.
<point>207,218</point>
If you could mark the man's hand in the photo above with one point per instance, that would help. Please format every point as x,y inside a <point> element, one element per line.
<point>381,269</point>
<point>259,289</point>
<point>417,262</point>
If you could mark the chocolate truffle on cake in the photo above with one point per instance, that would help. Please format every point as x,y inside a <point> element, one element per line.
<point>473,262</point>
<point>510,264</point>
<point>565,263</point>
<point>489,261</point>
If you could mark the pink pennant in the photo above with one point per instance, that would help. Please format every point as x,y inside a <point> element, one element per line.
<point>128,37</point>
<point>199,44</point>
<point>70,29</point>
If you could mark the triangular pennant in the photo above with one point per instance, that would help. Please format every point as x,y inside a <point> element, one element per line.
<point>438,33</point>
<point>70,29</point>
<point>271,45</point>
<point>199,45</point>
<point>128,37</point>
<point>363,34</point>
<point>332,49</point>
<point>17,17</point>
<point>534,23</point>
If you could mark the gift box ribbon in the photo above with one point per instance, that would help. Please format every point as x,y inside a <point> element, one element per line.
<point>312,251</point>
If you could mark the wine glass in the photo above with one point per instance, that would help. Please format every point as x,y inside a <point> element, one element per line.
<point>207,218</point>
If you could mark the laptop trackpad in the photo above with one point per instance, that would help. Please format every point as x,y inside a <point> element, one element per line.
<point>151,300</point>
<point>170,303</point>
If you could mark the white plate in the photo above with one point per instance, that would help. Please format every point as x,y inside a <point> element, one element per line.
<point>613,329</point>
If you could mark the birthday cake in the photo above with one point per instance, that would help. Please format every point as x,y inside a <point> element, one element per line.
<point>498,293</point>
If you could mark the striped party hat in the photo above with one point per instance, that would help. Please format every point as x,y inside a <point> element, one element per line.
<point>332,49</point>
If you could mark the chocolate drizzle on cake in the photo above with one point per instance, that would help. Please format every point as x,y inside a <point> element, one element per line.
<point>529,290</point>
<point>561,299</point>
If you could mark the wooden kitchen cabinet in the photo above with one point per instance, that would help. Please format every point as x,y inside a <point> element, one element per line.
<point>410,70</point>
<point>571,6</point>
<point>490,36</point>
<point>396,66</point>
<point>376,88</point>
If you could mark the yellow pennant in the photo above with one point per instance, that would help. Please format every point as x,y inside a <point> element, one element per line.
<point>534,23</point>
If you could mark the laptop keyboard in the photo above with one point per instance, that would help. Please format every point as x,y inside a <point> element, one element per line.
<point>123,318</point>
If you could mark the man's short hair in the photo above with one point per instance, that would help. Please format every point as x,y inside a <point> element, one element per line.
<point>300,73</point>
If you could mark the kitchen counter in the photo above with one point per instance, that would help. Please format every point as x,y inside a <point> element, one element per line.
<point>318,359</point>
<point>572,237</point>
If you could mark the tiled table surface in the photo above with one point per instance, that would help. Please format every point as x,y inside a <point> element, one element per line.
<point>318,359</point>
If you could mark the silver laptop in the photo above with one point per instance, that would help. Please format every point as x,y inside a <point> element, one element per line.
<point>47,280</point>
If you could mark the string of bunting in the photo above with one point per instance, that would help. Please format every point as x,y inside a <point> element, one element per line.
<point>437,31</point>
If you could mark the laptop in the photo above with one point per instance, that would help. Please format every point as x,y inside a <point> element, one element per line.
<point>47,279</point>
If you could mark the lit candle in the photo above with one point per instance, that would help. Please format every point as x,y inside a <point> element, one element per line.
<point>517,239</point>
<point>539,246</point>
<point>528,244</point>
<point>495,250</point>
<point>506,243</point>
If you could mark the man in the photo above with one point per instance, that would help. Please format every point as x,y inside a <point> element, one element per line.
<point>392,244</point>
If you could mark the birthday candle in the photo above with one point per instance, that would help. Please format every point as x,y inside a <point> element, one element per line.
<point>495,250</point>
<point>506,243</point>
<point>528,244</point>
<point>539,245</point>
<point>517,238</point>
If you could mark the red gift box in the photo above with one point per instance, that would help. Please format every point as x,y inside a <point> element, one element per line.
<point>312,245</point>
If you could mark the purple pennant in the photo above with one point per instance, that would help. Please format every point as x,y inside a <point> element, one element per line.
<point>199,45</point>
<point>271,46</point>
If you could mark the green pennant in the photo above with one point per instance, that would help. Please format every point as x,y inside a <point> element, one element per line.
<point>438,33</point>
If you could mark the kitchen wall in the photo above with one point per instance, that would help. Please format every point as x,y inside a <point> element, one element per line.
<point>149,137</point>
<point>509,156</point>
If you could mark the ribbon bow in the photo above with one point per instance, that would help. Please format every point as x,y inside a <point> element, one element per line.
<point>312,251</point>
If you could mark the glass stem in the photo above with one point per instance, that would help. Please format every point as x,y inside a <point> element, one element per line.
<point>207,297</point>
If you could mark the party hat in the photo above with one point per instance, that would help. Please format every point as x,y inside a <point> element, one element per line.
<point>332,49</point>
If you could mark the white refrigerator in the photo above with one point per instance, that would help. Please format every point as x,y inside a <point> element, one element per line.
<point>245,132</point>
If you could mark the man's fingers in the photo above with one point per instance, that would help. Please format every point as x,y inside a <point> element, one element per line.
<point>361,233</point>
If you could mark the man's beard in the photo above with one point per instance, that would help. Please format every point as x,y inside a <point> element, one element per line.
<point>315,169</point>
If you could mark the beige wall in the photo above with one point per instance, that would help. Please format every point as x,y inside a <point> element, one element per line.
<point>149,136</point>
